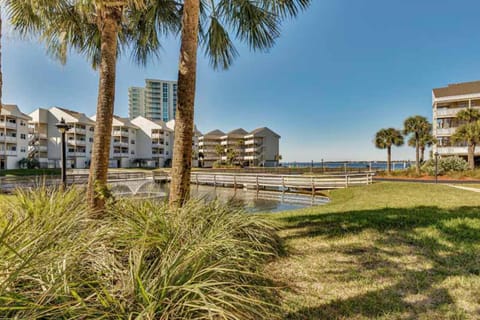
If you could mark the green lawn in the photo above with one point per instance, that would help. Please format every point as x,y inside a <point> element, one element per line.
<point>29,172</point>
<point>385,251</point>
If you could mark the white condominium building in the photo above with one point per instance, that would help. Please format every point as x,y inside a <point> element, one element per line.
<point>13,136</point>
<point>446,103</point>
<point>234,141</point>
<point>154,142</point>
<point>79,138</point>
<point>259,147</point>
<point>157,101</point>
<point>207,145</point>
<point>123,143</point>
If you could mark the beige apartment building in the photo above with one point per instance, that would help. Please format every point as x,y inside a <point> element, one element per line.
<point>13,136</point>
<point>259,147</point>
<point>446,103</point>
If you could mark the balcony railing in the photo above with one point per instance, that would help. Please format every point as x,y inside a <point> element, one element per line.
<point>451,112</point>
<point>77,130</point>
<point>445,131</point>
<point>8,139</point>
<point>77,154</point>
<point>452,150</point>
<point>77,142</point>
<point>8,125</point>
<point>121,154</point>
<point>120,144</point>
<point>8,152</point>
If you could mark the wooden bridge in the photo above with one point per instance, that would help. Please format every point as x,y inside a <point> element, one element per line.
<point>277,182</point>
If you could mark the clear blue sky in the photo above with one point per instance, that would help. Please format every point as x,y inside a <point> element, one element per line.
<point>338,73</point>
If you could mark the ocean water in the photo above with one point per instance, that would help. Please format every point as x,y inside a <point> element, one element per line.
<point>374,165</point>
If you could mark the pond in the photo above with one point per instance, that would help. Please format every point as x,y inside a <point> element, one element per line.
<point>250,200</point>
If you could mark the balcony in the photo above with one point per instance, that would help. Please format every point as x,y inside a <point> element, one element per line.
<point>158,144</point>
<point>450,112</point>
<point>119,133</point>
<point>253,141</point>
<point>77,142</point>
<point>77,130</point>
<point>8,125</point>
<point>8,139</point>
<point>445,131</point>
<point>8,152</point>
<point>157,135</point>
<point>121,154</point>
<point>77,154</point>
<point>452,150</point>
<point>120,144</point>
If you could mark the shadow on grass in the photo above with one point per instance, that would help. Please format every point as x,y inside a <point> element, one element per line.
<point>445,240</point>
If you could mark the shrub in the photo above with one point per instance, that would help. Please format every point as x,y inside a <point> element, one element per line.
<point>143,260</point>
<point>445,165</point>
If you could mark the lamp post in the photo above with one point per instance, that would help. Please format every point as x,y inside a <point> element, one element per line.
<point>436,167</point>
<point>323,169</point>
<point>62,128</point>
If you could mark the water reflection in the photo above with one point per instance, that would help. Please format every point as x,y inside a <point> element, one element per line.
<point>251,201</point>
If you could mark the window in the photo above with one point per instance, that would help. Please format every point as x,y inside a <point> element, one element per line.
<point>90,139</point>
<point>22,123</point>
<point>132,152</point>
<point>22,149</point>
<point>92,129</point>
<point>23,136</point>
<point>12,121</point>
<point>132,141</point>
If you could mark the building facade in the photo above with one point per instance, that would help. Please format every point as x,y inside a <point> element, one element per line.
<point>44,133</point>
<point>446,103</point>
<point>13,136</point>
<point>156,101</point>
<point>259,147</point>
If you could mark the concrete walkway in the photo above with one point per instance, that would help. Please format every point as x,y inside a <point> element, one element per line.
<point>464,188</point>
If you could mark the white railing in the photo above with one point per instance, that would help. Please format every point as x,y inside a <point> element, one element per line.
<point>450,112</point>
<point>282,182</point>
<point>8,125</point>
<point>452,150</point>
<point>8,152</point>
<point>445,131</point>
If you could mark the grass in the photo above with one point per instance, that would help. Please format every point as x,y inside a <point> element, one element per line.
<point>29,172</point>
<point>385,251</point>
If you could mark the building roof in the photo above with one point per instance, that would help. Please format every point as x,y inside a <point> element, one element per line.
<point>119,121</point>
<point>215,133</point>
<point>75,116</point>
<point>13,111</point>
<point>239,131</point>
<point>457,89</point>
<point>259,131</point>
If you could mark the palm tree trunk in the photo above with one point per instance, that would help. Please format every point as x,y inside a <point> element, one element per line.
<point>109,18</point>
<point>389,160</point>
<point>471,156</point>
<point>417,156</point>
<point>187,73</point>
<point>1,74</point>
<point>422,154</point>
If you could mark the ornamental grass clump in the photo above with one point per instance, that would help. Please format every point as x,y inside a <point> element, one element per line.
<point>142,261</point>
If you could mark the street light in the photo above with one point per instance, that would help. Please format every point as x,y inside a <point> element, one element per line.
<point>436,167</point>
<point>62,128</point>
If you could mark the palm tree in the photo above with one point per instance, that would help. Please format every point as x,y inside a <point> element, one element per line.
<point>97,29</point>
<point>426,139</point>
<point>209,22</point>
<point>416,125</point>
<point>385,139</point>
<point>470,134</point>
<point>469,115</point>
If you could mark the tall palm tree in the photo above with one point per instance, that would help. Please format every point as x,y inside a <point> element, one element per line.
<point>385,139</point>
<point>255,22</point>
<point>470,134</point>
<point>426,139</point>
<point>97,29</point>
<point>416,125</point>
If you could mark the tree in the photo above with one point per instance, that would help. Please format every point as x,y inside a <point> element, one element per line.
<point>97,29</point>
<point>426,139</point>
<point>385,139</point>
<point>254,22</point>
<point>1,73</point>
<point>470,134</point>
<point>469,115</point>
<point>416,126</point>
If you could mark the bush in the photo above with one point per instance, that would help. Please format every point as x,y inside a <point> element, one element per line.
<point>143,260</point>
<point>445,165</point>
